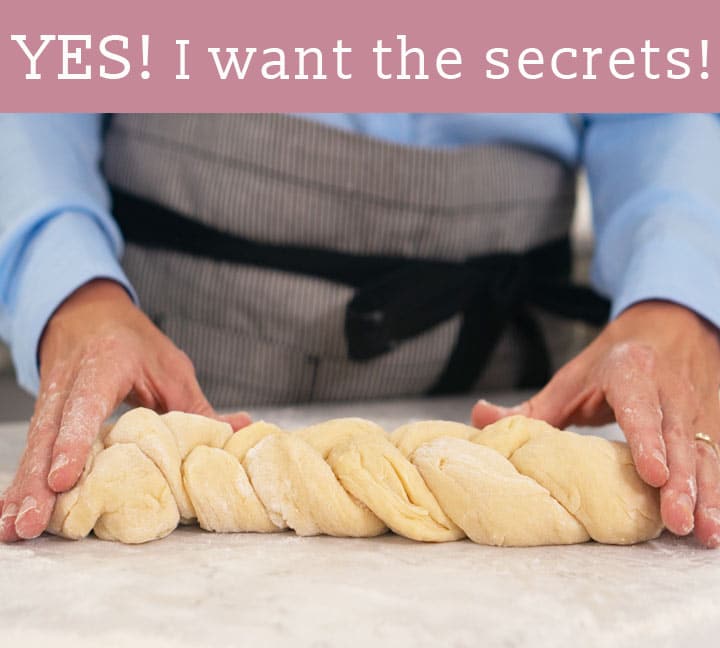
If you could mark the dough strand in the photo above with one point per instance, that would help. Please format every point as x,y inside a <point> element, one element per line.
<point>517,482</point>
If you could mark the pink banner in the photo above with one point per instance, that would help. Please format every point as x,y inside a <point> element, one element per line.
<point>325,55</point>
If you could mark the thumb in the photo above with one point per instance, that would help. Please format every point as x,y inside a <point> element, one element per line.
<point>484,412</point>
<point>237,420</point>
<point>197,403</point>
<point>181,391</point>
<point>553,403</point>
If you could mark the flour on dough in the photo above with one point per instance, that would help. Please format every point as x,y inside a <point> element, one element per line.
<point>518,482</point>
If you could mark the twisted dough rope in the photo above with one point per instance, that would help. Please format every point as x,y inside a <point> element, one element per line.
<point>518,482</point>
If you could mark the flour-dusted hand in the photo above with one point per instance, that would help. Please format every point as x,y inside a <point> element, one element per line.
<point>656,371</point>
<point>97,350</point>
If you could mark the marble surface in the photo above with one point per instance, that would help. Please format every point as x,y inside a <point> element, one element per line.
<point>200,589</point>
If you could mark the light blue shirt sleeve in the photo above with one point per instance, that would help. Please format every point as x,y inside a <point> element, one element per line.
<point>655,185</point>
<point>56,232</point>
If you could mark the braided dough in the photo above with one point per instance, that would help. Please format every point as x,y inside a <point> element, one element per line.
<point>518,482</point>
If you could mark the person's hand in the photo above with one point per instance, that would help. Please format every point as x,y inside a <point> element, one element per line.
<point>97,350</point>
<point>656,371</point>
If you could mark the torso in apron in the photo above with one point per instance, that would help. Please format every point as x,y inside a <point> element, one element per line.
<point>258,335</point>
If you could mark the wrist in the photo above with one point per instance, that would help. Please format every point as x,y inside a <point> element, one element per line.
<point>83,311</point>
<point>94,291</point>
<point>663,310</point>
<point>663,320</point>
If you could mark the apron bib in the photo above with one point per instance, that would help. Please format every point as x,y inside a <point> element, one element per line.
<point>295,262</point>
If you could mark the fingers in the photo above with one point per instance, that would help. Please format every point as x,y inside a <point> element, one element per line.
<point>553,403</point>
<point>679,494</point>
<point>104,349</point>
<point>29,501</point>
<point>186,395</point>
<point>656,413</point>
<point>34,514</point>
<point>632,393</point>
<point>99,387</point>
<point>178,387</point>
<point>237,420</point>
<point>484,413</point>
<point>707,511</point>
<point>181,391</point>
<point>7,523</point>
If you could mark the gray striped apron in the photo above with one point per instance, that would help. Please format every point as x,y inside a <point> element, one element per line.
<point>261,333</point>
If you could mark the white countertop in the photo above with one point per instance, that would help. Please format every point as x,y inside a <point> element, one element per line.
<point>201,589</point>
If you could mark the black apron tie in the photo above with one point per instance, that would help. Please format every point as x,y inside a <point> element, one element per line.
<point>398,298</point>
<point>492,292</point>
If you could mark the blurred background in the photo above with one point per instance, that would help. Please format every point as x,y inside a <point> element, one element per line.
<point>15,404</point>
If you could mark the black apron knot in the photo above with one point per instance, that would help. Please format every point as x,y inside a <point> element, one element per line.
<point>397,298</point>
<point>492,292</point>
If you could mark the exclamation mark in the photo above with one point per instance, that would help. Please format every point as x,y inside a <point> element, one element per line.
<point>704,53</point>
<point>145,74</point>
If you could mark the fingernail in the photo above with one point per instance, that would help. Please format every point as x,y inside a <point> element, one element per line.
<point>60,462</point>
<point>9,511</point>
<point>685,502</point>
<point>714,541</point>
<point>28,504</point>
<point>659,457</point>
<point>713,514</point>
<point>514,409</point>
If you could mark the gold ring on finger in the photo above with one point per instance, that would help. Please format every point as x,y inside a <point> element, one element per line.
<point>701,436</point>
